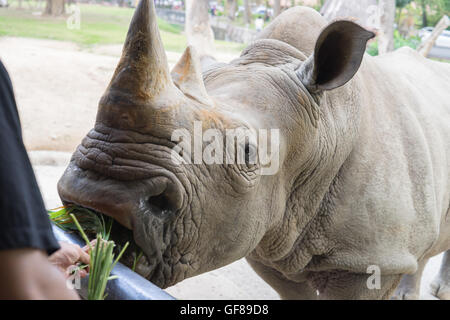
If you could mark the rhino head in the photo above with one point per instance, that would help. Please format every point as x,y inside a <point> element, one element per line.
<point>190,218</point>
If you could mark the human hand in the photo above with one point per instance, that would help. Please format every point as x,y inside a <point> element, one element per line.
<point>68,256</point>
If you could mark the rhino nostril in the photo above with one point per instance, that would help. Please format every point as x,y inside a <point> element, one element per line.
<point>160,205</point>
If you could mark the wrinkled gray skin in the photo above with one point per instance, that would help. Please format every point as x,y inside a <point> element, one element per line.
<point>364,165</point>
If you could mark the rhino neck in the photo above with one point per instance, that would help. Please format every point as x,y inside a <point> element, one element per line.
<point>302,235</point>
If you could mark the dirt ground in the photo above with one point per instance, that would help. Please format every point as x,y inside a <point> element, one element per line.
<point>58,86</point>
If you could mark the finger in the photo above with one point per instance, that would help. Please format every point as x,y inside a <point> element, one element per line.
<point>71,253</point>
<point>82,273</point>
<point>84,257</point>
<point>86,247</point>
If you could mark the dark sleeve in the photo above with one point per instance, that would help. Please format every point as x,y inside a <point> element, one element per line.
<point>23,219</point>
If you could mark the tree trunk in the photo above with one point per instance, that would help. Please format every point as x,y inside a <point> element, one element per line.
<point>55,7</point>
<point>276,8</point>
<point>424,14</point>
<point>387,19</point>
<point>247,13</point>
<point>198,28</point>
<point>231,9</point>
<point>399,17</point>
<point>364,11</point>
<point>428,43</point>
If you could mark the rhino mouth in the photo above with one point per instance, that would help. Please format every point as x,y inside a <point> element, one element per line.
<point>145,210</point>
<point>135,257</point>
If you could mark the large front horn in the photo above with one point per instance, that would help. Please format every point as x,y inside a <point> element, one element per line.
<point>142,71</point>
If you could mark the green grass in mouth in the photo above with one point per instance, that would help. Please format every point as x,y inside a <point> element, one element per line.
<point>91,222</point>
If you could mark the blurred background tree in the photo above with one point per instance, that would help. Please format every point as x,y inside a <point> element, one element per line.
<point>247,12</point>
<point>433,10</point>
<point>198,28</point>
<point>386,28</point>
<point>276,8</point>
<point>230,8</point>
<point>400,4</point>
<point>55,7</point>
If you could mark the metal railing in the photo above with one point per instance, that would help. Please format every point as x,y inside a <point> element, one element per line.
<point>128,286</point>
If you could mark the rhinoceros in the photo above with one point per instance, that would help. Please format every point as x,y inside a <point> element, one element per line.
<point>360,200</point>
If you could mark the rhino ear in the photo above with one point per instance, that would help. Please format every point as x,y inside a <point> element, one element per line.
<point>337,56</point>
<point>187,76</point>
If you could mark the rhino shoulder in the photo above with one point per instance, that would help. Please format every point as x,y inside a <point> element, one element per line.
<point>409,54</point>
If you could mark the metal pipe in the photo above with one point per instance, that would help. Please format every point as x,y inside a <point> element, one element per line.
<point>129,285</point>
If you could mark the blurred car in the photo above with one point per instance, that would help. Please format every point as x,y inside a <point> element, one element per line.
<point>442,41</point>
<point>260,10</point>
<point>177,5</point>
<point>4,3</point>
<point>131,3</point>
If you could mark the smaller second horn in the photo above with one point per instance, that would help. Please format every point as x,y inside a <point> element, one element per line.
<point>187,76</point>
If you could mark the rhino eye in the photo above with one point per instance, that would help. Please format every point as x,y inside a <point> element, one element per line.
<point>250,154</point>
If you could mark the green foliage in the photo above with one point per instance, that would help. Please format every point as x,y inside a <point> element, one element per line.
<point>402,3</point>
<point>372,49</point>
<point>99,25</point>
<point>435,9</point>
<point>399,41</point>
<point>137,256</point>
<point>91,221</point>
<point>442,5</point>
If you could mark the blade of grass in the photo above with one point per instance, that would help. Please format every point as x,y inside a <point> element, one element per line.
<point>136,260</point>
<point>101,255</point>
<point>80,229</point>
<point>120,255</point>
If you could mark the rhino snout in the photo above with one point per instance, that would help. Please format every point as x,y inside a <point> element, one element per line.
<point>125,201</point>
